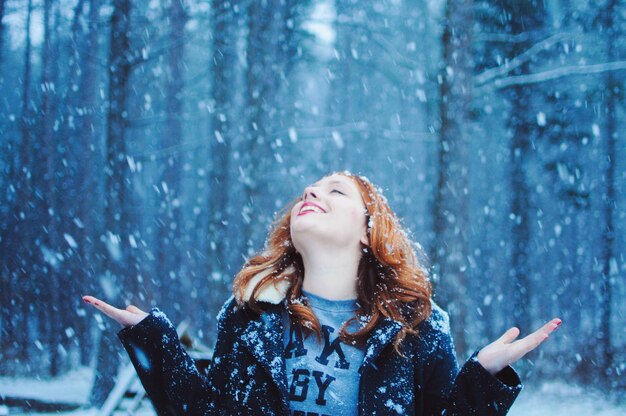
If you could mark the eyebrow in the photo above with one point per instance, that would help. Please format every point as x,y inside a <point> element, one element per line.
<point>335,181</point>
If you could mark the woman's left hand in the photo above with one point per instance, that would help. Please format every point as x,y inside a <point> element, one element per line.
<point>505,350</point>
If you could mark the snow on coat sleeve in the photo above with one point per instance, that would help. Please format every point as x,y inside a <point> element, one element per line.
<point>470,391</point>
<point>167,372</point>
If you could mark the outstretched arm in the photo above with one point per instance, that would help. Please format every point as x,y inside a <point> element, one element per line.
<point>166,371</point>
<point>486,384</point>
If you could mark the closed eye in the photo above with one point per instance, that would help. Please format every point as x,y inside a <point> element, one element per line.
<point>337,190</point>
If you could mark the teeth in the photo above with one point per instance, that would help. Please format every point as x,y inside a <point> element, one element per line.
<point>310,208</point>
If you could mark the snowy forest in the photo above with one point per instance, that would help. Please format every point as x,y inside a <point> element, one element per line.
<point>146,147</point>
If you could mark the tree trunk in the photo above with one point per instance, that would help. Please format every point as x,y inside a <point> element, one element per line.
<point>1,30</point>
<point>116,236</point>
<point>22,265</point>
<point>520,207</point>
<point>265,67</point>
<point>50,177</point>
<point>80,185</point>
<point>609,262</point>
<point>169,223</point>
<point>225,36</point>
<point>451,200</point>
<point>5,270</point>
<point>75,269</point>
<point>520,122</point>
<point>345,85</point>
<point>14,241</point>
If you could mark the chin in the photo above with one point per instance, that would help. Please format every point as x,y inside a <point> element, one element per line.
<point>311,236</point>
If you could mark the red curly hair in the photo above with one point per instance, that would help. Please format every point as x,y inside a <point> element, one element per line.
<point>391,282</point>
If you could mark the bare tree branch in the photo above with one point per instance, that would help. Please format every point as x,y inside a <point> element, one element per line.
<point>499,71</point>
<point>348,131</point>
<point>397,56</point>
<point>501,37</point>
<point>556,73</point>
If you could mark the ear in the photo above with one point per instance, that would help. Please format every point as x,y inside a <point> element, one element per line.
<point>365,240</point>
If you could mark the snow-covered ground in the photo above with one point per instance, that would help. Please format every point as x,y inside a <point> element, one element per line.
<point>73,388</point>
<point>559,399</point>
<point>550,399</point>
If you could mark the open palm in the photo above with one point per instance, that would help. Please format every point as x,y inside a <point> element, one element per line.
<point>505,350</point>
<point>130,316</point>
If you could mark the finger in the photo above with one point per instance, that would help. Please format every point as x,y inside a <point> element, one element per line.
<point>549,327</point>
<point>89,299</point>
<point>108,310</point>
<point>509,335</point>
<point>95,302</point>
<point>532,341</point>
<point>134,309</point>
<point>557,322</point>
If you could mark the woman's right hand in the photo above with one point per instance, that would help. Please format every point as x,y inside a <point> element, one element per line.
<point>125,317</point>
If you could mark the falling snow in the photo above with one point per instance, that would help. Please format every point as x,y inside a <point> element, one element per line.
<point>146,157</point>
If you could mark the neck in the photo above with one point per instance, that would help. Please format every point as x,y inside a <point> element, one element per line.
<point>331,274</point>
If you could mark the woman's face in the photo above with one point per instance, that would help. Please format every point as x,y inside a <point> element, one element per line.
<point>332,211</point>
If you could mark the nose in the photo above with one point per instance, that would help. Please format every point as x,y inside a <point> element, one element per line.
<point>309,192</point>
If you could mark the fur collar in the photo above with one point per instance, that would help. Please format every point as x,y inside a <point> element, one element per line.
<point>271,292</point>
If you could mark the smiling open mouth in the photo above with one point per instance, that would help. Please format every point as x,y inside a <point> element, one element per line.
<point>309,207</point>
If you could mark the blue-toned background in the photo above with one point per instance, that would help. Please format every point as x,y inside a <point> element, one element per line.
<point>146,146</point>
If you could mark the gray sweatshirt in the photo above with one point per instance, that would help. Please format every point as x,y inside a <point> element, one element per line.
<point>323,379</point>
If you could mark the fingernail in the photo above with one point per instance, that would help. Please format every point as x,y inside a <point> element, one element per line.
<point>86,300</point>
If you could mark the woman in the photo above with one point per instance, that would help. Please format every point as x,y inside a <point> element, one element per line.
<point>335,317</point>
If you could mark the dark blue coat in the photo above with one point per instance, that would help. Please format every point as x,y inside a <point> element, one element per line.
<point>248,376</point>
